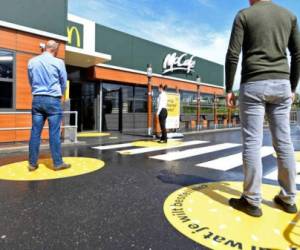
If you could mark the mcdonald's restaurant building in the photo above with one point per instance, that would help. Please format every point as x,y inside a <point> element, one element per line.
<point>107,69</point>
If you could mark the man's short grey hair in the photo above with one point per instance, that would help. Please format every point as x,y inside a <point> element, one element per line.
<point>51,44</point>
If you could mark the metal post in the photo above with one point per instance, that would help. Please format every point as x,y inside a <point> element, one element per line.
<point>198,108</point>
<point>149,107</point>
<point>215,112</point>
<point>100,107</point>
<point>150,118</point>
<point>76,126</point>
<point>229,117</point>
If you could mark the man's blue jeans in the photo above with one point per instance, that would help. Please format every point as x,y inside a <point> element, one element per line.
<point>46,107</point>
<point>273,99</point>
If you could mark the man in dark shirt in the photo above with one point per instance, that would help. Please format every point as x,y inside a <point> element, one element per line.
<point>264,32</point>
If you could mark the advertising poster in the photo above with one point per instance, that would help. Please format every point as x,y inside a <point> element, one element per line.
<point>173,108</point>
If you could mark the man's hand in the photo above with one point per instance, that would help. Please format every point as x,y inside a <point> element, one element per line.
<point>293,97</point>
<point>230,100</point>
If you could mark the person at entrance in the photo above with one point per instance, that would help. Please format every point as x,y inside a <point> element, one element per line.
<point>264,31</point>
<point>162,112</point>
<point>48,77</point>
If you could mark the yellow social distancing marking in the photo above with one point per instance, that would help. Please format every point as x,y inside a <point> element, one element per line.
<point>92,134</point>
<point>19,172</point>
<point>297,156</point>
<point>201,212</point>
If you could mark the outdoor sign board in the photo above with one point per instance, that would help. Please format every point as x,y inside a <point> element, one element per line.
<point>173,108</point>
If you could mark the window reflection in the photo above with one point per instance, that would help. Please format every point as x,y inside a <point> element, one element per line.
<point>6,94</point>
<point>6,64</point>
<point>134,98</point>
<point>6,79</point>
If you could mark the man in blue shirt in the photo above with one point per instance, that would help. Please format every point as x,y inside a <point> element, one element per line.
<point>47,76</point>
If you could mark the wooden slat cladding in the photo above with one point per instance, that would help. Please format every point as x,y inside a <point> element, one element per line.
<point>117,75</point>
<point>24,135</point>
<point>7,136</point>
<point>7,121</point>
<point>25,42</point>
<point>23,90</point>
<point>130,77</point>
<point>8,39</point>
<point>31,44</point>
<point>26,46</point>
<point>23,120</point>
<point>18,121</point>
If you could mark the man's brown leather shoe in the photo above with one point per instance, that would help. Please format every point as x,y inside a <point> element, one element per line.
<point>62,166</point>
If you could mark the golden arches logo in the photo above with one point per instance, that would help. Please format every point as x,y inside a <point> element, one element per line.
<point>70,31</point>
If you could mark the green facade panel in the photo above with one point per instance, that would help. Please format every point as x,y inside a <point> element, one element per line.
<point>45,15</point>
<point>135,53</point>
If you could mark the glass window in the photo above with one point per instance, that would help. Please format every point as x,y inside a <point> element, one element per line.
<point>134,98</point>
<point>188,97</point>
<point>6,79</point>
<point>140,106</point>
<point>140,93</point>
<point>140,100</point>
<point>6,95</point>
<point>207,99</point>
<point>127,91</point>
<point>6,64</point>
<point>188,103</point>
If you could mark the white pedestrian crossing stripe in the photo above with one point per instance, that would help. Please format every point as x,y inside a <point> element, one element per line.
<point>122,145</point>
<point>222,163</point>
<point>179,155</point>
<point>231,161</point>
<point>274,174</point>
<point>114,146</point>
<point>153,149</point>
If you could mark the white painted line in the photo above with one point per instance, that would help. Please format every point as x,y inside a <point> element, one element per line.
<point>274,174</point>
<point>173,156</point>
<point>153,149</point>
<point>114,146</point>
<point>232,161</point>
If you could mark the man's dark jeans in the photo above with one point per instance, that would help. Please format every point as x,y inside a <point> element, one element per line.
<point>162,121</point>
<point>46,107</point>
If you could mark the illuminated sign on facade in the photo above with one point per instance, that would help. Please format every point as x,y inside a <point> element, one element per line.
<point>75,34</point>
<point>184,62</point>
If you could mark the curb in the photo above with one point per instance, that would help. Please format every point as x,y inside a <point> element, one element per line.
<point>217,130</point>
<point>12,149</point>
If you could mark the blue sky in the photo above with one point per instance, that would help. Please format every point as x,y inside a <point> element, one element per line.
<point>200,27</point>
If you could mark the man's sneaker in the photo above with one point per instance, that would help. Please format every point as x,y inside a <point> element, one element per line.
<point>291,209</point>
<point>62,166</point>
<point>32,167</point>
<point>163,141</point>
<point>243,205</point>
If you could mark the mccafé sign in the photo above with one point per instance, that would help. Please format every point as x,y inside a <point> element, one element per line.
<point>75,34</point>
<point>174,62</point>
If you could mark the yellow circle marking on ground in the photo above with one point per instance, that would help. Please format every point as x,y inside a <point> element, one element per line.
<point>297,156</point>
<point>92,134</point>
<point>150,144</point>
<point>19,172</point>
<point>201,212</point>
